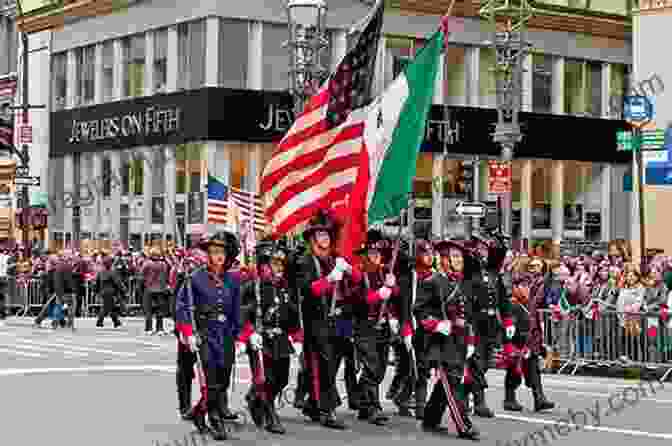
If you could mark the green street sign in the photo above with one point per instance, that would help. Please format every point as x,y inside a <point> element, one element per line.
<point>653,139</point>
<point>624,141</point>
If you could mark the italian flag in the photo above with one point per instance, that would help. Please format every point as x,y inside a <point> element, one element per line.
<point>394,128</point>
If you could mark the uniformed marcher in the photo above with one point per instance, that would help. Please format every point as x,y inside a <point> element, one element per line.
<point>65,289</point>
<point>271,314</point>
<point>112,291</point>
<point>328,285</point>
<point>211,302</point>
<point>491,290</point>
<point>443,312</point>
<point>155,299</point>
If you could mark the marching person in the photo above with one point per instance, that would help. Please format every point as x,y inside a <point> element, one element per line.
<point>491,291</point>
<point>271,314</point>
<point>210,302</point>
<point>444,315</point>
<point>328,284</point>
<point>65,287</point>
<point>376,322</point>
<point>112,291</point>
<point>155,276</point>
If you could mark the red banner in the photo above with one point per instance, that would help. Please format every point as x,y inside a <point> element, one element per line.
<point>499,178</point>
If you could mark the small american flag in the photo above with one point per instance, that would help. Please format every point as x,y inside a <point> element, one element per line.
<point>225,202</point>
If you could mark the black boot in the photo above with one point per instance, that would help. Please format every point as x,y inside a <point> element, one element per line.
<point>273,424</point>
<point>540,401</point>
<point>420,399</point>
<point>217,427</point>
<point>254,406</point>
<point>471,433</point>
<point>395,387</point>
<point>198,418</point>
<point>224,411</point>
<point>481,408</point>
<point>329,420</point>
<point>99,323</point>
<point>184,398</point>
<point>510,401</point>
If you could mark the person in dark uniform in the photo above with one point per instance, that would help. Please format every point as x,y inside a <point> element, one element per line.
<point>155,275</point>
<point>112,291</point>
<point>210,302</point>
<point>491,290</point>
<point>443,312</point>
<point>271,314</point>
<point>328,285</point>
<point>65,287</point>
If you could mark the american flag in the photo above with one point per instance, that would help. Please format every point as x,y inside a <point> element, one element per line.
<point>316,163</point>
<point>226,203</point>
<point>6,133</point>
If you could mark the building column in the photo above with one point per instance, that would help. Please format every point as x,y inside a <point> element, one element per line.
<point>98,220</point>
<point>118,70</point>
<point>528,71</point>
<point>605,202</point>
<point>558,86</point>
<point>71,79</point>
<point>98,74</point>
<point>170,217</point>
<point>383,67</point>
<point>440,90</point>
<point>558,200</point>
<point>172,64</point>
<point>437,195</point>
<point>339,47</point>
<point>212,52</point>
<point>4,47</point>
<point>255,57</point>
<point>68,188</point>
<point>224,162</point>
<point>147,192</point>
<point>605,92</point>
<point>473,73</point>
<point>149,63</point>
<point>526,200</point>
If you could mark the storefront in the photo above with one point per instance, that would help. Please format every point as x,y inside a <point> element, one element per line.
<point>567,177</point>
<point>137,170</point>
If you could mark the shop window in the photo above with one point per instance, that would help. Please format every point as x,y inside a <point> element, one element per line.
<point>486,82</point>
<point>189,164</point>
<point>158,171</point>
<point>455,72</point>
<point>233,48</point>
<point>108,71</point>
<point>85,62</point>
<point>276,57</point>
<point>618,89</point>
<point>575,85</point>
<point>125,174</point>
<point>191,55</point>
<point>60,73</point>
<point>107,177</point>
<point>160,60</point>
<point>133,53</point>
<point>542,171</point>
<point>542,76</point>
<point>239,155</point>
<point>399,52</point>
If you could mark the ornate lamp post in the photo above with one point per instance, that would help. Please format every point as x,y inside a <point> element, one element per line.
<point>306,20</point>
<point>510,47</point>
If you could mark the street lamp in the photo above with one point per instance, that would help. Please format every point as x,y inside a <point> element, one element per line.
<point>307,21</point>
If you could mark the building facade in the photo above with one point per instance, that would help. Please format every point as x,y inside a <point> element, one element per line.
<point>145,102</point>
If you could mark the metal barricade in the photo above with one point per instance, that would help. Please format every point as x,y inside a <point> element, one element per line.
<point>612,339</point>
<point>92,301</point>
<point>28,296</point>
<point>134,300</point>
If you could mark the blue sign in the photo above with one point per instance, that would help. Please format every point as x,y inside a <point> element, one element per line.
<point>637,109</point>
<point>667,144</point>
<point>659,174</point>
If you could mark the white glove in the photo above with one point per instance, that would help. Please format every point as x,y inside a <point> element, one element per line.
<point>390,281</point>
<point>385,293</point>
<point>298,348</point>
<point>444,328</point>
<point>510,331</point>
<point>394,326</point>
<point>193,343</point>
<point>242,348</point>
<point>470,351</point>
<point>343,266</point>
<point>256,342</point>
<point>335,275</point>
<point>408,342</point>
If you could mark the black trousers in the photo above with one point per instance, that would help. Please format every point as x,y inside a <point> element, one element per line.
<point>276,373</point>
<point>155,304</point>
<point>372,347</point>
<point>323,359</point>
<point>184,376</point>
<point>218,377</point>
<point>531,374</point>
<point>403,381</point>
<point>111,308</point>
<point>439,402</point>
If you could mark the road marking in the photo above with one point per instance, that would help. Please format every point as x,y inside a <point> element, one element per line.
<point>99,369</point>
<point>595,394</point>
<point>17,353</point>
<point>49,350</point>
<point>610,430</point>
<point>70,347</point>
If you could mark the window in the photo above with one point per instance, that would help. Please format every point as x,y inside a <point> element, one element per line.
<point>137,174</point>
<point>107,177</point>
<point>85,60</point>
<point>125,174</point>
<point>276,58</point>
<point>8,56</point>
<point>133,55</point>
<point>594,88</point>
<point>239,155</point>
<point>575,87</point>
<point>189,163</point>
<point>191,55</point>
<point>399,52</point>
<point>542,171</point>
<point>456,75</point>
<point>59,68</point>
<point>158,171</point>
<point>108,71</point>
<point>233,47</point>
<point>542,78</point>
<point>160,60</point>
<point>487,87</point>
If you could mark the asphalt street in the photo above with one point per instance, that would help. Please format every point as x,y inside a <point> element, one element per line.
<point>117,387</point>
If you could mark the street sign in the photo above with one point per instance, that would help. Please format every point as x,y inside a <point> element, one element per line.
<point>624,141</point>
<point>22,171</point>
<point>26,134</point>
<point>638,110</point>
<point>475,210</point>
<point>499,177</point>
<point>27,181</point>
<point>653,139</point>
